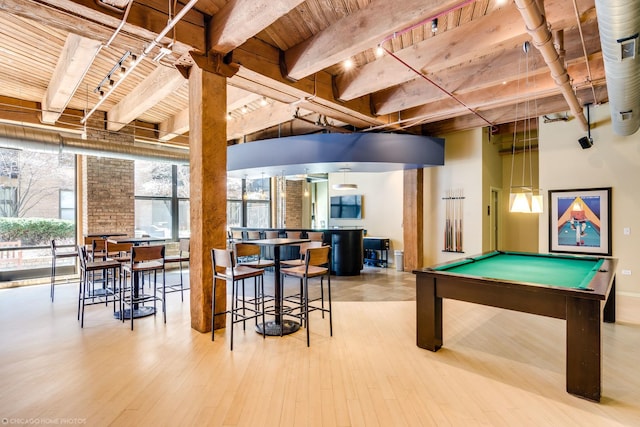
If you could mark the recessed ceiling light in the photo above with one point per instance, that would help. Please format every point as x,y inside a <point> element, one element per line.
<point>348,64</point>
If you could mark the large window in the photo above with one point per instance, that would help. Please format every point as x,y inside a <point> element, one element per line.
<point>37,205</point>
<point>162,200</point>
<point>67,205</point>
<point>248,202</point>
<point>234,202</point>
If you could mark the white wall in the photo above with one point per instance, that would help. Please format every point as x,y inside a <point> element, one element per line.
<point>462,170</point>
<point>613,161</point>
<point>382,198</point>
<point>518,231</point>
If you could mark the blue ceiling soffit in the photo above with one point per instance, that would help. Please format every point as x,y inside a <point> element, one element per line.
<point>329,152</point>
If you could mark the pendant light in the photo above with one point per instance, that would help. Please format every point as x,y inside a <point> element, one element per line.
<point>344,186</point>
<point>524,198</point>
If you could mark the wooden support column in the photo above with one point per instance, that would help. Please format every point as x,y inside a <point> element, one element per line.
<point>412,218</point>
<point>208,195</point>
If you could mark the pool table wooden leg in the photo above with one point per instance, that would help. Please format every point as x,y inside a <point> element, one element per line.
<point>428,314</point>
<point>609,314</point>
<point>584,348</point>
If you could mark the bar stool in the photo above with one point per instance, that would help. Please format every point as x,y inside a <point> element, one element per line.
<point>271,234</point>
<point>183,256</point>
<point>316,264</point>
<point>302,252</point>
<point>55,255</point>
<point>249,255</point>
<point>88,291</point>
<point>99,249</point>
<point>317,236</point>
<point>118,251</point>
<point>144,259</point>
<point>268,250</point>
<point>253,235</point>
<point>225,269</point>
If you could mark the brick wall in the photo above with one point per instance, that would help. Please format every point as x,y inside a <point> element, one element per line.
<point>108,196</point>
<point>108,186</point>
<point>294,204</point>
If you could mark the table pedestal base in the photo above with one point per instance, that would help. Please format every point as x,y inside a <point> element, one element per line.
<point>272,328</point>
<point>137,312</point>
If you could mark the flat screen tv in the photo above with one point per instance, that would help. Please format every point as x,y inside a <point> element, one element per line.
<point>346,207</point>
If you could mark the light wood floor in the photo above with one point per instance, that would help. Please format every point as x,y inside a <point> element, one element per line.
<point>497,368</point>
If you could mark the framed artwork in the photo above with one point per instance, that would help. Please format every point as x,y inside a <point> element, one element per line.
<point>580,221</point>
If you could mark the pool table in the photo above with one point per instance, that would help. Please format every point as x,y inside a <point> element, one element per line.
<point>579,289</point>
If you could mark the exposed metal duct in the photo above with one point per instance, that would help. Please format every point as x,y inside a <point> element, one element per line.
<point>536,23</point>
<point>619,23</point>
<point>20,138</point>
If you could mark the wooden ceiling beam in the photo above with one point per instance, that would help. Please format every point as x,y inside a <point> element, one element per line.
<point>357,32</point>
<point>86,18</point>
<point>77,56</point>
<point>162,82</point>
<point>174,126</point>
<point>492,33</point>
<point>19,111</point>
<point>240,20</point>
<point>513,93</point>
<point>259,119</point>
<point>553,104</point>
<point>239,102</point>
<point>260,73</point>
<point>178,124</point>
<point>487,72</point>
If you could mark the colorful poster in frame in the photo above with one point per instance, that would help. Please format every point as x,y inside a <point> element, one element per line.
<point>580,221</point>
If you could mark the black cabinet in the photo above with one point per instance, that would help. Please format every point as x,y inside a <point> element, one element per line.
<point>346,250</point>
<point>376,251</point>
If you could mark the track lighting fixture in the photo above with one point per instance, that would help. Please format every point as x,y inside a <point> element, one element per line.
<point>118,71</point>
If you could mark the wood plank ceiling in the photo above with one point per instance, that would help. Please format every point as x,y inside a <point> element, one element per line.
<point>463,71</point>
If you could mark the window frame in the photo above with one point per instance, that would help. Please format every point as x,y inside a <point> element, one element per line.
<point>174,203</point>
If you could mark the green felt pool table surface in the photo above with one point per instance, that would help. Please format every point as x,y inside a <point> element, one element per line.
<point>554,270</point>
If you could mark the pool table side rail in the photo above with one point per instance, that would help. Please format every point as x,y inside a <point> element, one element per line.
<point>598,289</point>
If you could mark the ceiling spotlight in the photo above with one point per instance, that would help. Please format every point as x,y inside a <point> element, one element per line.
<point>348,64</point>
<point>379,51</point>
<point>434,26</point>
<point>121,72</point>
<point>229,116</point>
<point>263,101</point>
<point>244,109</point>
